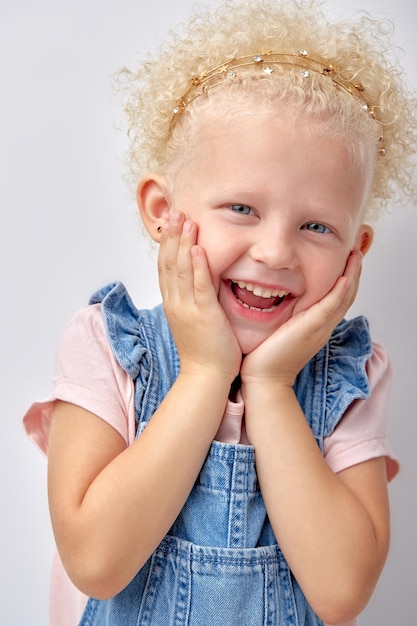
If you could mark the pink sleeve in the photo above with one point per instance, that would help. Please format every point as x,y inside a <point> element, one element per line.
<point>86,374</point>
<point>362,433</point>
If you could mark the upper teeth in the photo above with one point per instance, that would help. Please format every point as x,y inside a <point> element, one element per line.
<point>260,291</point>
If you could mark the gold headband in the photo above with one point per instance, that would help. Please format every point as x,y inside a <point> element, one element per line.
<point>266,60</point>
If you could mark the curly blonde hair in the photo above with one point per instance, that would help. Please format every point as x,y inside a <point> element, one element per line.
<point>362,51</point>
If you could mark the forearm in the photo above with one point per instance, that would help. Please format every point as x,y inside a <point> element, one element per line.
<point>106,533</point>
<point>326,534</point>
<point>115,514</point>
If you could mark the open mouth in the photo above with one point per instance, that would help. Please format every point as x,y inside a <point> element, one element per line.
<point>257,298</point>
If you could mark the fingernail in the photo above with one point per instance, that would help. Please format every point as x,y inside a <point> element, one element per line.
<point>175,217</point>
<point>187,226</point>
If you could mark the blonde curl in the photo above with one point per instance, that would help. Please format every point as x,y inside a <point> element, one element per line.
<point>362,50</point>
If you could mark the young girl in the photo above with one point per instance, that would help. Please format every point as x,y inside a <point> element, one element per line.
<point>222,459</point>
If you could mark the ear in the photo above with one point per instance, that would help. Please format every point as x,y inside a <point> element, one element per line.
<point>153,201</point>
<point>364,238</point>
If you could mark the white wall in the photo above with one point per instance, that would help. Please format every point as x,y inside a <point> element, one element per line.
<point>67,227</point>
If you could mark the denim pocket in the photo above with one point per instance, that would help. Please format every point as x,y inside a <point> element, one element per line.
<point>190,585</point>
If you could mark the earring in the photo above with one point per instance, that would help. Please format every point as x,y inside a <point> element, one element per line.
<point>159,229</point>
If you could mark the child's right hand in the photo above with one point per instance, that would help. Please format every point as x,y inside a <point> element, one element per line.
<point>201,330</point>
<point>141,488</point>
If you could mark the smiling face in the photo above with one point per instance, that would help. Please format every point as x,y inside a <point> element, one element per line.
<point>278,209</point>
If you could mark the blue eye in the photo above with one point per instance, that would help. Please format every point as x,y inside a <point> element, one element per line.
<point>316,227</point>
<point>243,209</point>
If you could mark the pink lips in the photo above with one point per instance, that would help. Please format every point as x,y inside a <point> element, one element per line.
<point>248,298</point>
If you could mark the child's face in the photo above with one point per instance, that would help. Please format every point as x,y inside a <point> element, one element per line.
<point>278,209</point>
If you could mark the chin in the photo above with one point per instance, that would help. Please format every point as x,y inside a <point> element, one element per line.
<point>248,342</point>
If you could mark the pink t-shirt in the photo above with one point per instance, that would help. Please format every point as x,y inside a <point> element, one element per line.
<point>87,374</point>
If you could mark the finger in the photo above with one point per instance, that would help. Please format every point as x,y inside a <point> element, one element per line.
<point>349,282</point>
<point>353,267</point>
<point>173,230</point>
<point>168,253</point>
<point>205,293</point>
<point>185,268</point>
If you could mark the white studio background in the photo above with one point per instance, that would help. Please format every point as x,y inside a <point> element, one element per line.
<point>68,227</point>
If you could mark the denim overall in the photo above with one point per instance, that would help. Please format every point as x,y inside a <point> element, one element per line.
<point>220,564</point>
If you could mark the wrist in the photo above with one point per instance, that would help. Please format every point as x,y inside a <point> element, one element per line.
<point>266,390</point>
<point>273,376</point>
<point>205,375</point>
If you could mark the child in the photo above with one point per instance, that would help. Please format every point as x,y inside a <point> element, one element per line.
<point>222,458</point>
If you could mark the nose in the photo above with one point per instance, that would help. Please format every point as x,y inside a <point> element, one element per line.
<point>275,247</point>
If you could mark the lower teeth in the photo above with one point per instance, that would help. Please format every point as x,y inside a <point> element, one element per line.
<point>255,308</point>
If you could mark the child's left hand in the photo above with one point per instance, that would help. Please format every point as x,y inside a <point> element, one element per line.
<point>283,355</point>
<point>347,535</point>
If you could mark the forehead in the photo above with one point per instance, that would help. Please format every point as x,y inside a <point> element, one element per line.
<point>218,113</point>
<point>268,157</point>
<point>266,133</point>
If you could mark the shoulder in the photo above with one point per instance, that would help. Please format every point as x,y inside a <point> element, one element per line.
<point>84,339</point>
<point>362,432</point>
<point>349,350</point>
<point>87,321</point>
<point>351,338</point>
<point>87,374</point>
<point>133,334</point>
<point>378,367</point>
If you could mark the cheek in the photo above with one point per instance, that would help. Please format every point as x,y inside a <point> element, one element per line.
<point>324,274</point>
<point>218,248</point>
